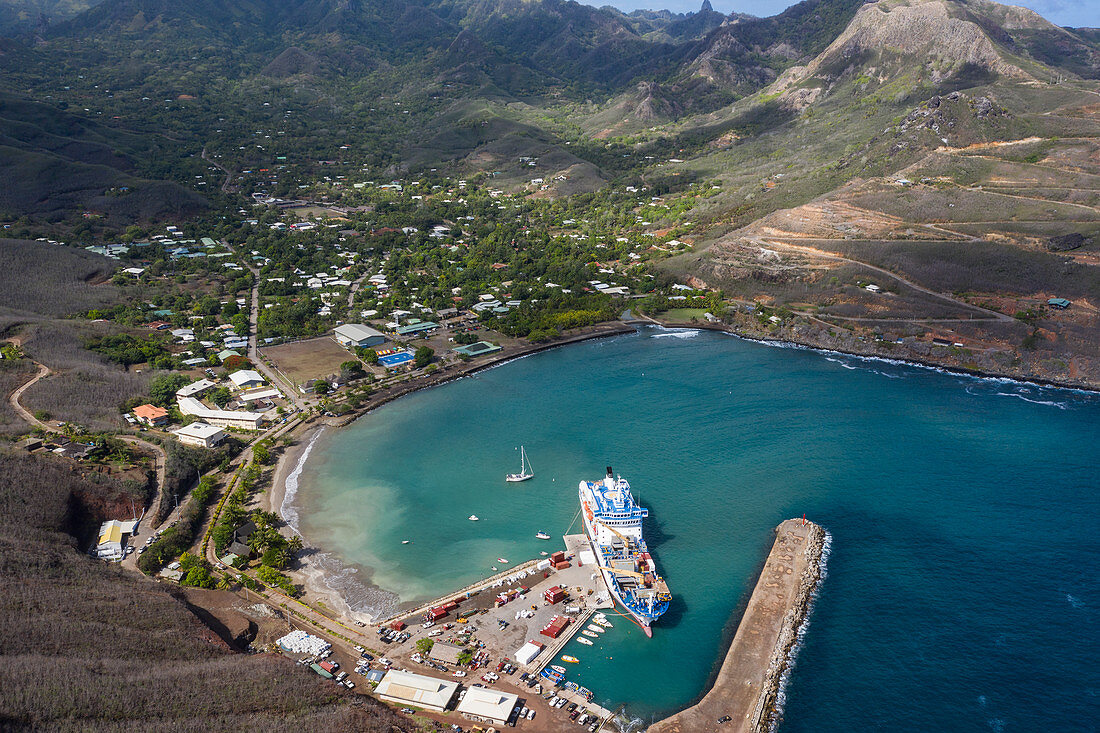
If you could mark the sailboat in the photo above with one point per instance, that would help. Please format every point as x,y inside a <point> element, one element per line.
<point>525,471</point>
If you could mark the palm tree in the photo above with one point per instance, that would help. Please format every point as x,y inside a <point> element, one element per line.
<point>224,582</point>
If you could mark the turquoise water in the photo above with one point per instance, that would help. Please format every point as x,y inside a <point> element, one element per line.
<point>963,583</point>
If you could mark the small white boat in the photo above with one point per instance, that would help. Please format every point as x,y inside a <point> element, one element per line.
<point>525,471</point>
<point>544,554</point>
<point>541,536</point>
<point>405,542</point>
<point>502,560</point>
<point>604,623</point>
<point>585,641</point>
<point>494,567</point>
<point>557,668</point>
<point>593,634</point>
<point>473,518</point>
<point>594,627</point>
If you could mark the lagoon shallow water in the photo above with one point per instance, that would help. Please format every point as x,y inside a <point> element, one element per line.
<point>963,586</point>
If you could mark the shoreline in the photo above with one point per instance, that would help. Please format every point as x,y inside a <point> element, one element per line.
<point>311,573</point>
<point>791,343</point>
<point>313,576</point>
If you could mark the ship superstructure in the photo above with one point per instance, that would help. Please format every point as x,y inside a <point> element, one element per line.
<point>613,523</point>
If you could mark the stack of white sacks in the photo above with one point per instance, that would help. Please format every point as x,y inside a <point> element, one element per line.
<point>299,642</point>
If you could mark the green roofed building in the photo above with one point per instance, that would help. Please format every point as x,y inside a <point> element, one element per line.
<point>479,349</point>
<point>1061,303</point>
<point>415,327</point>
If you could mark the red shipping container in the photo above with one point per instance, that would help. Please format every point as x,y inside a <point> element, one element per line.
<point>397,625</point>
<point>557,557</point>
<point>561,565</point>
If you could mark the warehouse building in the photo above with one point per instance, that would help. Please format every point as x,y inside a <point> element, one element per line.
<point>485,705</point>
<point>358,335</point>
<point>406,688</point>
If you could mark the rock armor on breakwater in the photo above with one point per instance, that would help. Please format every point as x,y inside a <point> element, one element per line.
<point>749,687</point>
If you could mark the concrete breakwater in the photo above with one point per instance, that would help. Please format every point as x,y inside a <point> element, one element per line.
<point>748,685</point>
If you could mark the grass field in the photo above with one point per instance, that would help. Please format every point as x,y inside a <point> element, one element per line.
<point>684,315</point>
<point>304,361</point>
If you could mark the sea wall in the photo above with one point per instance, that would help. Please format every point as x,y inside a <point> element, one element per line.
<point>748,687</point>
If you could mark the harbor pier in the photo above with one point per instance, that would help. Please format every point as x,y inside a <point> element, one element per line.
<point>744,695</point>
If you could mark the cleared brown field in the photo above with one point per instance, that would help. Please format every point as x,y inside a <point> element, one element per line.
<point>304,361</point>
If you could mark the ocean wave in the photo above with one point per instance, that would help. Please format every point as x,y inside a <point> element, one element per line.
<point>1050,403</point>
<point>800,634</point>
<point>343,580</point>
<point>361,598</point>
<point>676,333</point>
<point>290,487</point>
<point>982,378</point>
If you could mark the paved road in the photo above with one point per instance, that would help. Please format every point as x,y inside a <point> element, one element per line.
<point>273,377</point>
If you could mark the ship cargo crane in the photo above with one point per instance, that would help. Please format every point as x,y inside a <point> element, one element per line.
<point>659,583</point>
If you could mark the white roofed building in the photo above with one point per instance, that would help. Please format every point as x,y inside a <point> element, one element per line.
<point>225,418</point>
<point>246,378</point>
<point>487,705</point>
<point>194,388</point>
<point>406,688</point>
<point>200,434</point>
<point>357,335</point>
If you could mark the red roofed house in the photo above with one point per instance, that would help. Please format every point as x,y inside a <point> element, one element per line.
<point>151,414</point>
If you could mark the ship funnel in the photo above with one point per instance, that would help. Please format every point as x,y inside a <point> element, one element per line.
<point>609,473</point>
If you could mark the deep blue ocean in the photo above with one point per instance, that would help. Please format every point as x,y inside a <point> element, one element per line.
<point>963,580</point>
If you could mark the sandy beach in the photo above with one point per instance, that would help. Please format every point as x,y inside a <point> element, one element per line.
<point>316,565</point>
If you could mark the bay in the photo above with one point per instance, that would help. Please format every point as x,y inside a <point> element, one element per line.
<point>962,590</point>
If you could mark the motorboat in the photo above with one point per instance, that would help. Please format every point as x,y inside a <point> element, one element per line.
<point>473,518</point>
<point>597,629</point>
<point>567,658</point>
<point>540,535</point>
<point>587,642</point>
<point>593,634</point>
<point>558,668</point>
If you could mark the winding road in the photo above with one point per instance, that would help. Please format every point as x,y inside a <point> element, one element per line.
<point>160,457</point>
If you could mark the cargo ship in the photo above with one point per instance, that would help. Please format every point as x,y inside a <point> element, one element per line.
<point>613,524</point>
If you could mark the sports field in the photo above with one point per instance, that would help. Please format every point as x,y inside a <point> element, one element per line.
<point>304,361</point>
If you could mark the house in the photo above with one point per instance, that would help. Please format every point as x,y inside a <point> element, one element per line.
<point>358,335</point>
<point>223,355</point>
<point>29,444</point>
<point>244,532</point>
<point>246,378</point>
<point>112,536</point>
<point>1059,303</point>
<point>195,388</point>
<point>200,434</point>
<point>486,705</point>
<point>406,688</point>
<point>446,652</point>
<point>416,327</point>
<point>151,414</point>
<point>77,451</point>
<point>240,550</point>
